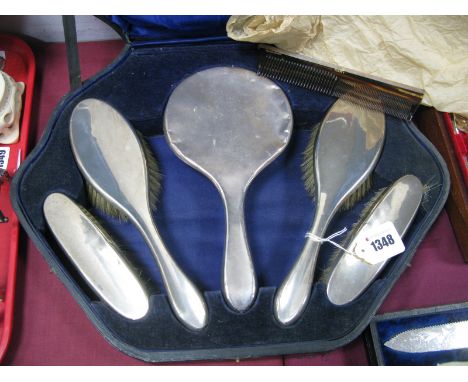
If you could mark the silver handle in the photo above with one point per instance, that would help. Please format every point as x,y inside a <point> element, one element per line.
<point>239,281</point>
<point>293,294</point>
<point>186,300</point>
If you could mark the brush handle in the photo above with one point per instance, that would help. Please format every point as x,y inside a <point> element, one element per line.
<point>186,300</point>
<point>239,281</point>
<point>293,294</point>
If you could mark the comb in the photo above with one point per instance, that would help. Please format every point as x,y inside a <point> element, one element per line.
<point>371,92</point>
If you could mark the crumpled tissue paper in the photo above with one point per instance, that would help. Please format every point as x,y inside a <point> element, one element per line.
<point>427,52</point>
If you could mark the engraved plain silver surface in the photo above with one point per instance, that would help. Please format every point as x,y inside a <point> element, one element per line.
<point>449,336</point>
<point>95,257</point>
<point>111,158</point>
<point>347,149</point>
<point>351,276</point>
<point>229,124</point>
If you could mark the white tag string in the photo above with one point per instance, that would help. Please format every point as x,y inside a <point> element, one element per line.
<point>329,240</point>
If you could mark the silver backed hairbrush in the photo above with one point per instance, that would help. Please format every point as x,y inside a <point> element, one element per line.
<point>346,150</point>
<point>398,204</point>
<point>96,257</point>
<point>100,137</point>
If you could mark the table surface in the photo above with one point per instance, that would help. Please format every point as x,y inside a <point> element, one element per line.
<point>51,329</point>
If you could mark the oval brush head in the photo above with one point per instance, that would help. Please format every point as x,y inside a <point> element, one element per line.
<point>308,174</point>
<point>337,253</point>
<point>347,277</point>
<point>154,181</point>
<point>96,256</point>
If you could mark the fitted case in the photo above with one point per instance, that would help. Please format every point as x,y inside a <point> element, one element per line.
<point>385,326</point>
<point>161,52</point>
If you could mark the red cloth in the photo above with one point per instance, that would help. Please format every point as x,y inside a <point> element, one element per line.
<point>437,276</point>
<point>51,329</point>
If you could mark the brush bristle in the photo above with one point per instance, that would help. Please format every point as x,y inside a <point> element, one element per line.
<point>308,170</point>
<point>102,204</point>
<point>154,184</point>
<point>100,228</point>
<point>308,174</point>
<point>337,253</point>
<point>118,247</point>
<point>429,186</point>
<point>154,175</point>
<point>357,195</point>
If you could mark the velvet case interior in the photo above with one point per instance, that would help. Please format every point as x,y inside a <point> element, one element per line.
<point>386,326</point>
<point>190,216</point>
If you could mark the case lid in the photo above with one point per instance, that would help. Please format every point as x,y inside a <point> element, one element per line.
<point>150,29</point>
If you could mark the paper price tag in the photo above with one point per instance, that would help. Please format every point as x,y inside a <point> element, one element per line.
<point>379,244</point>
<point>4,156</point>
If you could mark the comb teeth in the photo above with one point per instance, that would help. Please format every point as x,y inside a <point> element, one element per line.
<point>371,94</point>
<point>372,98</point>
<point>297,73</point>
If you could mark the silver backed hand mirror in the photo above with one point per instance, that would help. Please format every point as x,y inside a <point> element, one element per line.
<point>229,124</point>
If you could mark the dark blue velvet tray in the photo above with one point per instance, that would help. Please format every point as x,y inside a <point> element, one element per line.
<point>384,327</point>
<point>191,219</point>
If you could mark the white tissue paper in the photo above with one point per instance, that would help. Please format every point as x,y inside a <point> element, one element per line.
<point>427,52</point>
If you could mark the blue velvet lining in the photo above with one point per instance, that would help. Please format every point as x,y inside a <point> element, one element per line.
<point>190,215</point>
<point>386,329</point>
<point>278,214</point>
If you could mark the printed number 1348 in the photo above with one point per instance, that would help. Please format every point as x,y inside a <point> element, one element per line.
<point>385,241</point>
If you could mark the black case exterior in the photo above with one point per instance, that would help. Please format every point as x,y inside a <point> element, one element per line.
<point>138,84</point>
